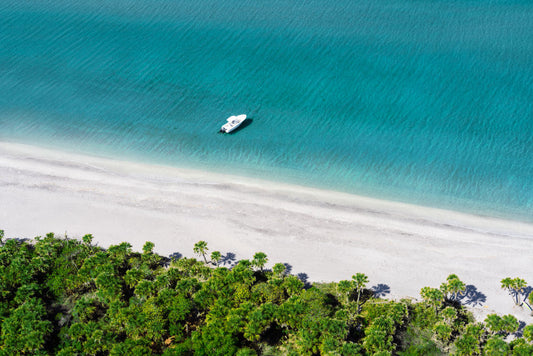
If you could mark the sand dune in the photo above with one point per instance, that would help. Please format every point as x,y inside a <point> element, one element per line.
<point>327,236</point>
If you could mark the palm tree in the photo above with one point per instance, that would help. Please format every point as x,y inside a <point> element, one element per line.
<point>432,296</point>
<point>200,248</point>
<point>515,287</point>
<point>496,346</point>
<point>260,259</point>
<point>279,270</point>
<point>455,286</point>
<point>507,284</point>
<point>528,333</point>
<point>87,239</point>
<point>215,257</point>
<point>359,280</point>
<point>148,248</point>
<point>518,286</point>
<point>509,324</point>
<point>452,287</point>
<point>449,314</point>
<point>493,323</point>
<point>343,289</point>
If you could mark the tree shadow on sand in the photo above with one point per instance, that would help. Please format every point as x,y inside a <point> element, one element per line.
<point>380,291</point>
<point>525,294</point>
<point>228,259</point>
<point>520,331</point>
<point>472,297</point>
<point>165,261</point>
<point>175,256</point>
<point>305,279</point>
<point>288,268</point>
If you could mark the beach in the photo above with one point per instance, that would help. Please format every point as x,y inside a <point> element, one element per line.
<point>321,235</point>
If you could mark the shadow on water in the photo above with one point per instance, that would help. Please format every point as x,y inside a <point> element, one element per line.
<point>244,124</point>
<point>381,290</point>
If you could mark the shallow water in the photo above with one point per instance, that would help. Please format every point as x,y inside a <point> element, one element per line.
<point>428,102</point>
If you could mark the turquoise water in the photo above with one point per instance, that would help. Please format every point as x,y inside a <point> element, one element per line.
<point>428,102</point>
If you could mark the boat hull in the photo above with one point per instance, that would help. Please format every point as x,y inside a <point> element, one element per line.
<point>232,123</point>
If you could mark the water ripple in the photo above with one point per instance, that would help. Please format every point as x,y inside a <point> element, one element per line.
<point>418,101</point>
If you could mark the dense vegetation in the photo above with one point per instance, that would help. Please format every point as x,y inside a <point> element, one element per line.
<point>68,297</point>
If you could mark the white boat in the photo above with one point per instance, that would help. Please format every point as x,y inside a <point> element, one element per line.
<point>232,123</point>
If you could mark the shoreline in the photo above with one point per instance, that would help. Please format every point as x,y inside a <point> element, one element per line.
<point>327,235</point>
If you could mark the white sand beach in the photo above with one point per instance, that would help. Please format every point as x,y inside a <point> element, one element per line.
<point>327,235</point>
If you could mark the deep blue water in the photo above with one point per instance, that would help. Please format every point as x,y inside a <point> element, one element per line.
<point>428,102</point>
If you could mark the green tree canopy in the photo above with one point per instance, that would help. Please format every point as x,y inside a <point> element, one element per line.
<point>515,286</point>
<point>216,256</point>
<point>260,259</point>
<point>64,296</point>
<point>433,297</point>
<point>200,248</point>
<point>359,280</point>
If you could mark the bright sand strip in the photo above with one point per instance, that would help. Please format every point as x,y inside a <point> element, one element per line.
<point>327,235</point>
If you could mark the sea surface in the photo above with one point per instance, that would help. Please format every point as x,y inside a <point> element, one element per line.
<point>422,101</point>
